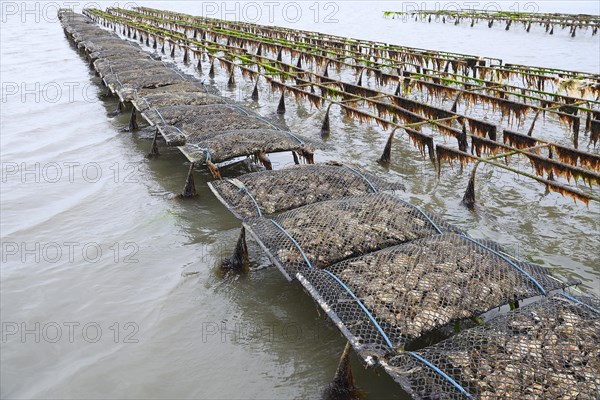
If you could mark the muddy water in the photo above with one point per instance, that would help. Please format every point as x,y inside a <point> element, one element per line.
<point>109,287</point>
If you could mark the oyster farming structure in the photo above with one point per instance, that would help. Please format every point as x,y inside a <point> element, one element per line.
<point>411,292</point>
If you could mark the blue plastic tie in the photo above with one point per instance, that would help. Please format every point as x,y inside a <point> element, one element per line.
<point>521,270</point>
<point>385,337</point>
<point>294,241</point>
<point>243,189</point>
<point>295,137</point>
<point>206,152</point>
<point>357,172</point>
<point>573,299</point>
<point>439,371</point>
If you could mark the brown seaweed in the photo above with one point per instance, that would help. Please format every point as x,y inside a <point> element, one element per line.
<point>481,128</point>
<point>482,145</point>
<point>563,189</point>
<point>543,164</point>
<point>572,156</point>
<point>421,140</point>
<point>518,140</point>
<point>450,154</point>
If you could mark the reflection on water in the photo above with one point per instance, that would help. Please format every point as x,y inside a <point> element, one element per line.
<point>112,244</point>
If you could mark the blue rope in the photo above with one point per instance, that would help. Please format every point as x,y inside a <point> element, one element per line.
<point>439,371</point>
<point>295,137</point>
<point>357,172</point>
<point>521,270</point>
<point>239,108</point>
<point>160,115</point>
<point>294,241</point>
<point>179,130</point>
<point>573,299</point>
<point>385,337</point>
<point>243,189</point>
<point>425,215</point>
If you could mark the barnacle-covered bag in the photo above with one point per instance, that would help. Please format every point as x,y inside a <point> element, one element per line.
<point>189,118</point>
<point>391,299</point>
<point>220,146</point>
<point>268,192</point>
<point>546,350</point>
<point>320,234</point>
<point>161,100</point>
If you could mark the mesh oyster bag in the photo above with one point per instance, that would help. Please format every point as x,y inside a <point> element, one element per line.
<point>393,298</point>
<point>546,350</point>
<point>268,192</point>
<point>320,234</point>
<point>192,115</point>
<point>126,85</point>
<point>218,146</point>
<point>105,66</point>
<point>159,100</point>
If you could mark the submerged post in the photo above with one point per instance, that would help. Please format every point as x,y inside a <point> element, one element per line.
<point>186,55</point>
<point>211,71</point>
<point>154,147</point>
<point>239,260</point>
<point>133,120</point>
<point>255,90</point>
<point>469,196</point>
<point>386,157</point>
<point>189,189</point>
<point>281,106</point>
<point>343,386</point>
<point>325,127</point>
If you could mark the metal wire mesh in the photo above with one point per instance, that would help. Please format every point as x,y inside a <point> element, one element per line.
<point>105,67</point>
<point>391,298</point>
<point>321,234</point>
<point>192,115</point>
<point>269,192</point>
<point>145,78</point>
<point>187,93</point>
<point>546,350</point>
<point>219,144</point>
<point>123,66</point>
<point>161,100</point>
<point>185,113</point>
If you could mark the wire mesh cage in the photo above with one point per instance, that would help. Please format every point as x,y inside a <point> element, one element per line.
<point>268,192</point>
<point>393,298</point>
<point>546,350</point>
<point>221,144</point>
<point>145,78</point>
<point>187,93</point>
<point>116,52</point>
<point>161,100</point>
<point>318,235</point>
<point>192,115</point>
<point>105,66</point>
